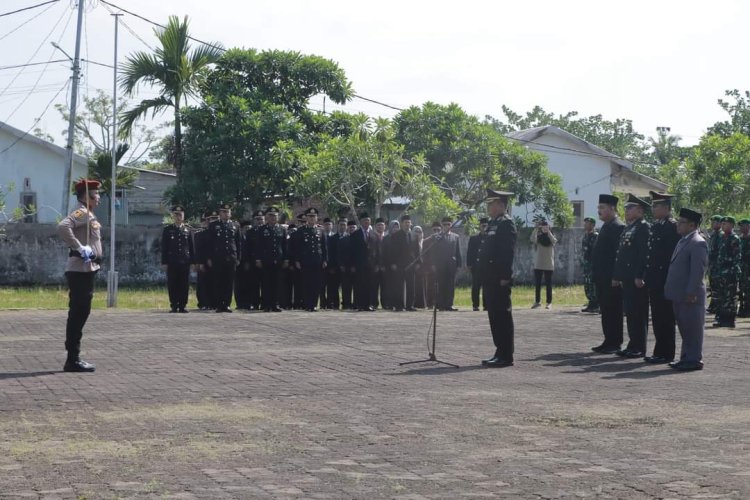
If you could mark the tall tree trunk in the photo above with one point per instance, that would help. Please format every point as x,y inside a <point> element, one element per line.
<point>177,139</point>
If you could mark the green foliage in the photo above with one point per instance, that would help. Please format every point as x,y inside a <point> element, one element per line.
<point>466,156</point>
<point>100,168</point>
<point>738,108</point>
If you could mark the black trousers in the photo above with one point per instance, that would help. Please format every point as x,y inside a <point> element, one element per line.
<point>635,306</point>
<point>312,277</point>
<point>347,286</point>
<point>333,283</point>
<point>80,294</point>
<point>271,285</point>
<point>178,285</point>
<point>420,299</point>
<point>663,323</point>
<point>610,306</point>
<point>362,288</point>
<point>204,290</point>
<point>223,277</point>
<point>500,312</point>
<point>378,295</point>
<point>538,273</point>
<point>446,278</point>
<point>476,287</point>
<point>242,287</point>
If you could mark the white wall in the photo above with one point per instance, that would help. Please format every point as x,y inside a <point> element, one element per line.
<point>43,166</point>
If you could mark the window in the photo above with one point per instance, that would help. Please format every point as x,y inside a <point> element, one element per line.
<point>29,207</point>
<point>577,213</point>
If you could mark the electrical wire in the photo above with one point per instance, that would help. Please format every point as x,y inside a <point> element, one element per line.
<point>33,64</point>
<point>25,22</point>
<point>28,8</point>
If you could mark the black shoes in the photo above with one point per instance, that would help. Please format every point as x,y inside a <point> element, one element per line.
<point>605,349</point>
<point>687,366</point>
<point>183,310</point>
<point>79,366</point>
<point>498,363</point>
<point>223,310</point>
<point>656,360</point>
<point>411,309</point>
<point>629,353</point>
<point>475,309</point>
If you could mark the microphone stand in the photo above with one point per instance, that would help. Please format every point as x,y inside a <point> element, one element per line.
<point>431,348</point>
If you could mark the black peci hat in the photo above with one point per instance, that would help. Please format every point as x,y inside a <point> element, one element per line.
<point>691,215</point>
<point>608,199</point>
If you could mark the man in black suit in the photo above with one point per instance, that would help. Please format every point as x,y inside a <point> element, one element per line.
<point>661,245</point>
<point>333,270</point>
<point>608,291</point>
<point>496,267</point>
<point>472,257</point>
<point>359,255</point>
<point>400,255</point>
<point>629,272</point>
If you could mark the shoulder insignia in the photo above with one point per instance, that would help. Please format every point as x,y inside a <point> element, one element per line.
<point>79,213</point>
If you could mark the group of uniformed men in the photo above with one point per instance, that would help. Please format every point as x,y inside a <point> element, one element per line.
<point>268,266</point>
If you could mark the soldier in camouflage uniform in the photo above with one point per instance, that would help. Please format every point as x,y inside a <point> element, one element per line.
<point>587,247</point>
<point>713,251</point>
<point>744,287</point>
<point>727,273</point>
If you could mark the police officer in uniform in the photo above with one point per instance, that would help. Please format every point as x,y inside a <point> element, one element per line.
<point>81,232</point>
<point>177,254</point>
<point>204,287</point>
<point>608,292</point>
<point>587,250</point>
<point>661,245</point>
<point>310,258</point>
<point>225,248</point>
<point>242,274</point>
<point>496,263</point>
<point>271,259</point>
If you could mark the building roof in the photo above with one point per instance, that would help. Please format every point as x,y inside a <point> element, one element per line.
<point>20,135</point>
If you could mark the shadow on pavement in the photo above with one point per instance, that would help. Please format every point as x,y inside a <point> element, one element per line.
<point>439,370</point>
<point>644,375</point>
<point>4,376</point>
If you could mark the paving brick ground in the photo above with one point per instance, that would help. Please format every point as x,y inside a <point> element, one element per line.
<point>301,405</point>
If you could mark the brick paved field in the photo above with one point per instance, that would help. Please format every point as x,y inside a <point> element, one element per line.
<point>300,405</point>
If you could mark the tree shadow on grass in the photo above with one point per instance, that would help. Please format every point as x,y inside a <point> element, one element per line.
<point>4,376</point>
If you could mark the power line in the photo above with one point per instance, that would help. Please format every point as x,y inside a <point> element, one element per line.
<point>39,63</point>
<point>28,8</point>
<point>378,102</point>
<point>25,23</point>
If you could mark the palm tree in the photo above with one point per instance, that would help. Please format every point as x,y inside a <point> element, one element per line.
<point>174,67</point>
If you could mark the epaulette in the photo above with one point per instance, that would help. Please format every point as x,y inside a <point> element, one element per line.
<point>79,213</point>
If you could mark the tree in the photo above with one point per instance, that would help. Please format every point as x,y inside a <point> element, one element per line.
<point>176,68</point>
<point>738,108</point>
<point>466,156</point>
<point>252,102</point>
<point>367,168</point>
<point>100,168</point>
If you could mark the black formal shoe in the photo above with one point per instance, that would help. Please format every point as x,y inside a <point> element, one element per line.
<point>687,366</point>
<point>474,308</point>
<point>173,310</point>
<point>411,309</point>
<point>79,366</point>
<point>223,310</point>
<point>485,361</point>
<point>605,349</point>
<point>276,309</point>
<point>656,360</point>
<point>630,354</point>
<point>311,309</point>
<point>398,310</point>
<point>183,310</point>
<point>452,309</point>
<point>499,363</point>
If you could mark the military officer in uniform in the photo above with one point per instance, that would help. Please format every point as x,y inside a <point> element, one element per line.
<point>81,233</point>
<point>310,258</point>
<point>744,287</point>
<point>177,254</point>
<point>661,245</point>
<point>727,274</point>
<point>714,240</point>
<point>204,287</point>
<point>271,259</point>
<point>472,258</point>
<point>587,250</point>
<point>496,263</point>
<point>630,272</point>
<point>608,291</point>
<point>225,248</point>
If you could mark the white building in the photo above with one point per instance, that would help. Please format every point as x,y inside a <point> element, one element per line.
<point>586,171</point>
<point>35,170</point>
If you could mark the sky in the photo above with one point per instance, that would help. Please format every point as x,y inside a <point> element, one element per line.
<point>658,63</point>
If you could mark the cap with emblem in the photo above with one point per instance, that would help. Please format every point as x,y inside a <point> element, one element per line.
<point>311,211</point>
<point>258,213</point>
<point>178,208</point>
<point>729,219</point>
<point>301,216</point>
<point>664,198</point>
<point>503,196</point>
<point>716,218</point>
<point>82,185</point>
<point>272,210</point>
<point>589,219</point>
<point>743,221</point>
<point>634,201</point>
<point>225,206</point>
<point>608,199</point>
<point>691,215</point>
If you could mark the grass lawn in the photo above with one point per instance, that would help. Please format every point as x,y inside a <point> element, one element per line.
<point>156,298</point>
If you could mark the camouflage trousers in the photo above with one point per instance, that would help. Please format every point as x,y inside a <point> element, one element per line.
<point>588,285</point>
<point>744,290</point>
<point>725,297</point>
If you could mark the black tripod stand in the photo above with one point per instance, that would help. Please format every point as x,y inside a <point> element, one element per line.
<point>430,348</point>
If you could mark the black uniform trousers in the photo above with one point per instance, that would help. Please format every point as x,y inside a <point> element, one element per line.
<point>242,287</point>
<point>204,290</point>
<point>378,294</point>
<point>476,287</point>
<point>223,277</point>
<point>362,288</point>
<point>312,276</point>
<point>500,312</point>
<point>80,294</point>
<point>271,285</point>
<point>635,306</point>
<point>333,283</point>
<point>178,285</point>
<point>663,322</point>
<point>446,278</point>
<point>347,285</point>
<point>610,306</point>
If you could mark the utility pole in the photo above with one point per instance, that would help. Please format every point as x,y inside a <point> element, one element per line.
<point>71,124</point>
<point>112,277</point>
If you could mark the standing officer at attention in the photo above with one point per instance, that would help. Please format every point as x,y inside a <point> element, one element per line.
<point>629,272</point>
<point>271,259</point>
<point>744,287</point>
<point>608,291</point>
<point>496,264</point>
<point>81,232</point>
<point>472,258</point>
<point>225,248</point>
<point>727,274</point>
<point>177,254</point>
<point>310,256</point>
<point>446,259</point>
<point>661,245</point>
<point>587,256</point>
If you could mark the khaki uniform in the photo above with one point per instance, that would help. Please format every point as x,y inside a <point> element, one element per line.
<point>72,230</point>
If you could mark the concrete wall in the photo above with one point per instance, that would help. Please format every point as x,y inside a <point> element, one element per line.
<point>33,254</point>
